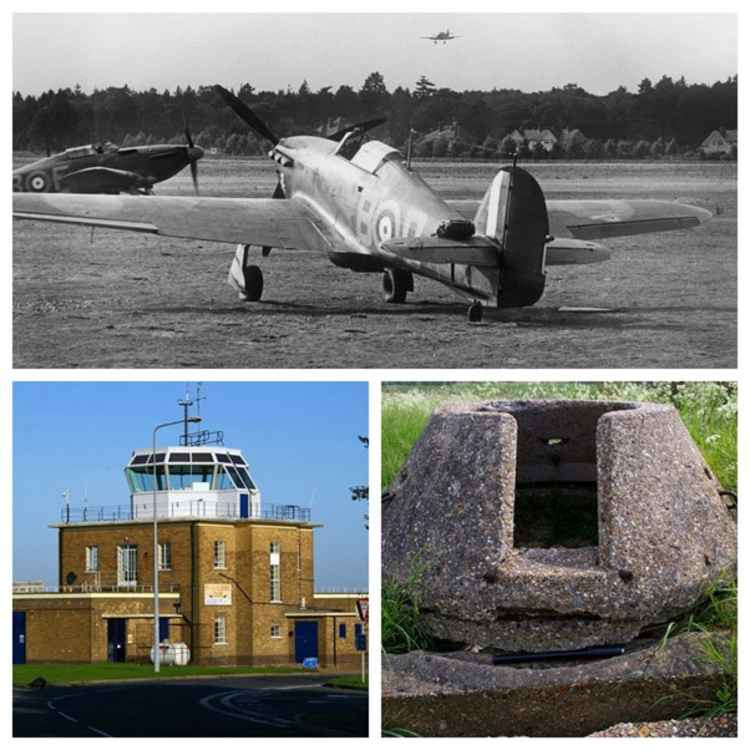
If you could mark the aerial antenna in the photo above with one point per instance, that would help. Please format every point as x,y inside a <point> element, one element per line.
<point>185,403</point>
<point>199,398</point>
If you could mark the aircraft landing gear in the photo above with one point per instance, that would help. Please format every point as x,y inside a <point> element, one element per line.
<point>396,283</point>
<point>475,312</point>
<point>253,283</point>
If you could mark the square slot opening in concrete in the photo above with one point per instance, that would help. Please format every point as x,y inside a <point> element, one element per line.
<point>556,502</point>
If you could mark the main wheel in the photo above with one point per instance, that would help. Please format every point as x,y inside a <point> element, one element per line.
<point>396,283</point>
<point>253,283</point>
<point>475,312</point>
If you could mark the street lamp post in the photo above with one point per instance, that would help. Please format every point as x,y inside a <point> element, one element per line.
<point>157,653</point>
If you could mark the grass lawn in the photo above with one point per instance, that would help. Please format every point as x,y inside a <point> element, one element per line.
<point>23,674</point>
<point>352,681</point>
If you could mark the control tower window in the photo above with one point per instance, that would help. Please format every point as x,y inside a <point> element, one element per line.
<point>223,481</point>
<point>246,479</point>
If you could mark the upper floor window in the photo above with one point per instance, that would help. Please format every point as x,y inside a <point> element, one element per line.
<point>127,565</point>
<point>165,556</point>
<point>92,558</point>
<point>220,554</point>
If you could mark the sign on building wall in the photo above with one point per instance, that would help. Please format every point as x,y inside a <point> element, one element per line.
<point>217,594</point>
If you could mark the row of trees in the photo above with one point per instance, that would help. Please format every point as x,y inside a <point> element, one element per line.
<point>665,112</point>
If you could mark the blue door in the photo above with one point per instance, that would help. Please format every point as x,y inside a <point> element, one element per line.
<point>305,640</point>
<point>116,630</point>
<point>244,510</point>
<point>19,638</point>
<point>163,629</point>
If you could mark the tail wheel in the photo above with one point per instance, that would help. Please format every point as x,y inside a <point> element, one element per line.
<point>253,283</point>
<point>475,312</point>
<point>396,283</point>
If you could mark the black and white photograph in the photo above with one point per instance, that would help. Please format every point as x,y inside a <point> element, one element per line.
<point>375,190</point>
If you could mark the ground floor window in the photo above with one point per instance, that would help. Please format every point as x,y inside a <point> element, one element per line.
<point>342,630</point>
<point>220,629</point>
<point>92,558</point>
<point>275,631</point>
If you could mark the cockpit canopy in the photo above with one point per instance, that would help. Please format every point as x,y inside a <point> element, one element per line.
<point>370,155</point>
<point>90,150</point>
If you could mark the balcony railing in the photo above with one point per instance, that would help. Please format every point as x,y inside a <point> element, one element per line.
<point>218,510</point>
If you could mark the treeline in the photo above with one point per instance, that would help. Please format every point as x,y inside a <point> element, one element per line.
<point>669,116</point>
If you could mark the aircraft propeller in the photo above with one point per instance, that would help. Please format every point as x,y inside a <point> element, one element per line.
<point>193,154</point>
<point>246,114</point>
<point>363,127</point>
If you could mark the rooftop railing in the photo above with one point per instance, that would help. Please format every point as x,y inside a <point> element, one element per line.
<point>96,588</point>
<point>187,510</point>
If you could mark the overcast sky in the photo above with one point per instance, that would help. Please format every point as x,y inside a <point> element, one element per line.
<point>530,52</point>
<point>300,440</point>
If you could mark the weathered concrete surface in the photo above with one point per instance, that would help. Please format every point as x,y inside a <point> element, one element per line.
<point>440,695</point>
<point>664,531</point>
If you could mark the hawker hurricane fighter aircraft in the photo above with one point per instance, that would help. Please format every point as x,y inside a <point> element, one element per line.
<point>360,204</point>
<point>441,36</point>
<point>105,168</point>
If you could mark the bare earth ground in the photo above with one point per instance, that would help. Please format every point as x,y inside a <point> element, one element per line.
<point>128,300</point>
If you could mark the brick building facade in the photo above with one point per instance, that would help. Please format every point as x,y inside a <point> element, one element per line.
<point>236,591</point>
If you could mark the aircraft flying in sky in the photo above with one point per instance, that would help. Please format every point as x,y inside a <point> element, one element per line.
<point>441,36</point>
<point>105,168</point>
<point>360,204</point>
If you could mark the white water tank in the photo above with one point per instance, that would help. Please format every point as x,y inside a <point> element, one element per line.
<point>166,653</point>
<point>181,654</point>
<point>172,654</point>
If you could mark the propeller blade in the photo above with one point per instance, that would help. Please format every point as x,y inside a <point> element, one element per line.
<point>245,113</point>
<point>361,126</point>
<point>194,175</point>
<point>189,138</point>
<point>279,191</point>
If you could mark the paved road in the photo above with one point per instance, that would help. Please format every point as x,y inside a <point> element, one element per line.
<point>221,707</point>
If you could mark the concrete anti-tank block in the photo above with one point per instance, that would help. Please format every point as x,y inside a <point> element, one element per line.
<point>541,525</point>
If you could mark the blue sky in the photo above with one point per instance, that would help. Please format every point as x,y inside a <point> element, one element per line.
<point>299,438</point>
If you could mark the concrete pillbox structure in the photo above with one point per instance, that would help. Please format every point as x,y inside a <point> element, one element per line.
<point>545,525</point>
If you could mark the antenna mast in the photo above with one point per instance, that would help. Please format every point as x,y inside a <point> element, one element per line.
<point>185,403</point>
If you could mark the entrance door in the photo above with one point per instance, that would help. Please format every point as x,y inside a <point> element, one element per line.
<point>305,640</point>
<point>244,510</point>
<point>19,638</point>
<point>116,631</point>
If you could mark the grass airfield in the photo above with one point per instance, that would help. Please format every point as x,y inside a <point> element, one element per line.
<point>128,300</point>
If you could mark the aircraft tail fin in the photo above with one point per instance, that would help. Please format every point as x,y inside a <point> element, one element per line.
<point>513,212</point>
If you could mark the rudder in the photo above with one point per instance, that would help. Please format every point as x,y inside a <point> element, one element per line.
<point>514,213</point>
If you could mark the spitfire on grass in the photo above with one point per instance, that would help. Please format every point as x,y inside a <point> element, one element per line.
<point>105,168</point>
<point>360,204</point>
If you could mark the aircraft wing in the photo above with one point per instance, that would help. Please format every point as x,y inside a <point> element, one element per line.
<point>283,223</point>
<point>600,219</point>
